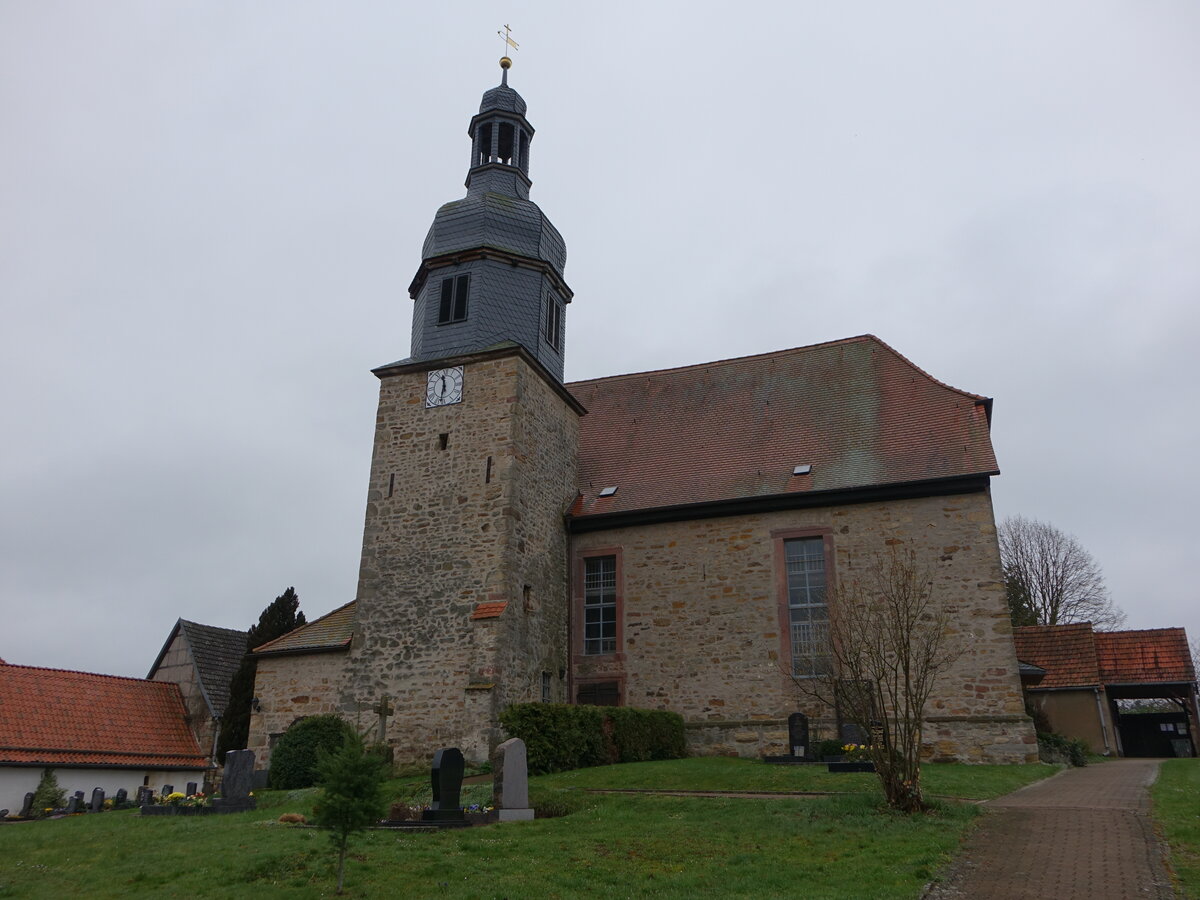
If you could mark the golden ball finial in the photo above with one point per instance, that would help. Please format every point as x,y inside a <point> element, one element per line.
<point>505,62</point>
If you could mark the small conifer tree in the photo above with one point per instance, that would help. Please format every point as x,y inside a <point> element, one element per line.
<point>351,797</point>
<point>48,795</point>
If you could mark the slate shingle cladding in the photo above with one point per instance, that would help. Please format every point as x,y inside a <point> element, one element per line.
<point>217,652</point>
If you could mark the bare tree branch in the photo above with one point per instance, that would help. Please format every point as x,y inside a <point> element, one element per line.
<point>1051,579</point>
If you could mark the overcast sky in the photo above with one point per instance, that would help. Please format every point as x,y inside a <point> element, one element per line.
<point>210,213</point>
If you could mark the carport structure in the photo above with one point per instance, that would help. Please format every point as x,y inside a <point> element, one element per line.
<point>1075,680</point>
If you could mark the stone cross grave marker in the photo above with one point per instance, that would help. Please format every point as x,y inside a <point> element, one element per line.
<point>510,781</point>
<point>27,806</point>
<point>447,776</point>
<point>237,782</point>
<point>97,804</point>
<point>798,735</point>
<point>383,709</point>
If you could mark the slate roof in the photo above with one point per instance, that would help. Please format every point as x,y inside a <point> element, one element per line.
<point>855,410</point>
<point>1066,652</point>
<point>216,654</point>
<point>330,632</point>
<point>58,717</point>
<point>1149,656</point>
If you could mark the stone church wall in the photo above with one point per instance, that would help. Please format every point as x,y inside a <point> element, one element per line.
<point>464,511</point>
<point>289,688</point>
<point>703,633</point>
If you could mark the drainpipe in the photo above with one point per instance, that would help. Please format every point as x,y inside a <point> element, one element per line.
<point>1103,727</point>
<point>216,736</point>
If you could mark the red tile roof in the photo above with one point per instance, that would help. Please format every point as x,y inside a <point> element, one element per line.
<point>489,610</point>
<point>1066,652</point>
<point>330,632</point>
<point>57,717</point>
<point>1151,656</point>
<point>855,410</point>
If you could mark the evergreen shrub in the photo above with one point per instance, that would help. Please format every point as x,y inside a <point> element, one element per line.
<point>294,759</point>
<point>559,737</point>
<point>47,795</point>
<point>1057,748</point>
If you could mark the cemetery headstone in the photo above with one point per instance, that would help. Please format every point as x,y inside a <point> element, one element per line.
<point>3,813</point>
<point>798,735</point>
<point>145,795</point>
<point>27,806</point>
<point>192,787</point>
<point>260,779</point>
<point>121,800</point>
<point>75,803</point>
<point>237,783</point>
<point>97,804</point>
<point>853,733</point>
<point>510,781</point>
<point>168,790</point>
<point>447,776</point>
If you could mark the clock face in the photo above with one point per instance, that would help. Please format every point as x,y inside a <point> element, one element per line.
<point>444,387</point>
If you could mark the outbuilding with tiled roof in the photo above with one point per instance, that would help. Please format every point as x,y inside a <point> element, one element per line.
<point>92,731</point>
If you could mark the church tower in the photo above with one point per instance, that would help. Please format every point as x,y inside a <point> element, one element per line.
<point>462,595</point>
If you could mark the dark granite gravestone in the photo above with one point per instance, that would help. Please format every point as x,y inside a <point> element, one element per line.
<point>168,790</point>
<point>3,813</point>
<point>852,733</point>
<point>192,787</point>
<point>97,804</point>
<point>447,776</point>
<point>27,806</point>
<point>145,795</point>
<point>798,735</point>
<point>75,803</point>
<point>121,800</point>
<point>237,782</point>
<point>510,782</point>
<point>259,779</point>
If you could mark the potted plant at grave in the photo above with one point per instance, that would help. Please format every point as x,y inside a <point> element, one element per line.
<point>855,758</point>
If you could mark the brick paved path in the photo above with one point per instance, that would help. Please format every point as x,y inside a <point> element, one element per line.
<point>1084,834</point>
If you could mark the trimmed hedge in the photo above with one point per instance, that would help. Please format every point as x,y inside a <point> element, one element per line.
<point>559,737</point>
<point>294,758</point>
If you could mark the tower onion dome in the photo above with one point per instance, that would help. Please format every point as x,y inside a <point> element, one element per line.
<point>497,211</point>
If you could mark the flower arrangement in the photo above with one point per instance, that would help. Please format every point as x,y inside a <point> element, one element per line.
<point>857,752</point>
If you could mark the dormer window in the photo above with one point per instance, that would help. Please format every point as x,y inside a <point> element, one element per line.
<point>453,307</point>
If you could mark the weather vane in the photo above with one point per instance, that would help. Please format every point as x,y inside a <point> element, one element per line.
<point>505,62</point>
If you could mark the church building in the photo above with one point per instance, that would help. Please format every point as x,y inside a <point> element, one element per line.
<point>664,539</point>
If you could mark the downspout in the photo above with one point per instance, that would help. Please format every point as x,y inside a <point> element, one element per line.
<point>216,737</point>
<point>1100,714</point>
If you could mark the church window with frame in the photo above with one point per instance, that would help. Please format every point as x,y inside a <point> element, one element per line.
<point>552,323</point>
<point>807,611</point>
<point>453,306</point>
<point>599,605</point>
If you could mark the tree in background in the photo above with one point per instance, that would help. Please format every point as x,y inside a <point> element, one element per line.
<point>282,616</point>
<point>1051,579</point>
<point>888,646</point>
<point>351,797</point>
<point>47,796</point>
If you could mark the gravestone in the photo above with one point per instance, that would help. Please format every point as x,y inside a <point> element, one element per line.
<point>191,788</point>
<point>260,779</point>
<point>168,790</point>
<point>237,783</point>
<point>122,799</point>
<point>145,795</point>
<point>510,782</point>
<point>97,804</point>
<point>798,735</point>
<point>27,806</point>
<point>447,776</point>
<point>852,733</point>
<point>75,803</point>
<point>3,813</point>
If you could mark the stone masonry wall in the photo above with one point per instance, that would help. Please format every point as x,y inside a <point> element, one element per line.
<point>454,522</point>
<point>703,636</point>
<point>289,688</point>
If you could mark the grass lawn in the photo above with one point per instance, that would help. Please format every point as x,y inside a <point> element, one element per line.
<point>845,845</point>
<point>1176,798</point>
